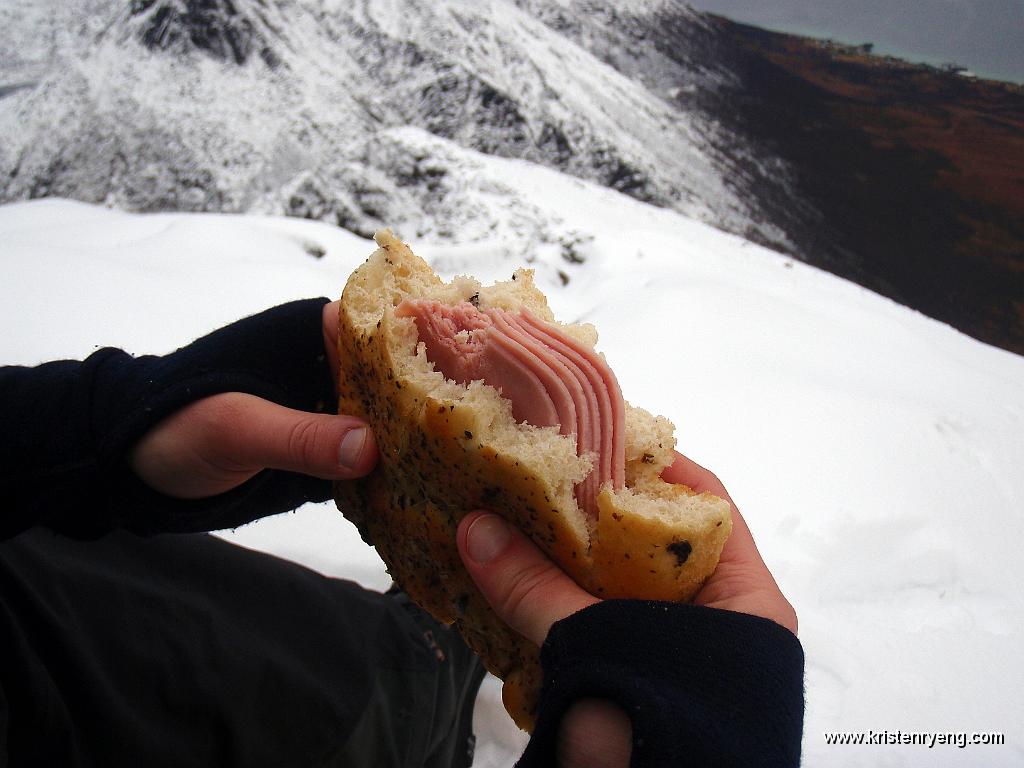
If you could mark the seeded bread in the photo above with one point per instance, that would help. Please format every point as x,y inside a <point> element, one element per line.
<point>447,449</point>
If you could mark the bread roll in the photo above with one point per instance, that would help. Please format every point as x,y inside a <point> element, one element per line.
<point>448,448</point>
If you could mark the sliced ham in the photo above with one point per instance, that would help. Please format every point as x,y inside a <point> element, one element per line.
<point>550,378</point>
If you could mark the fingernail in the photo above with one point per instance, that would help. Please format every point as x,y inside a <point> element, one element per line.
<point>486,537</point>
<point>351,449</point>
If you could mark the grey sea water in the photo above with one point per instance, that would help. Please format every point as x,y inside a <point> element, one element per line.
<point>985,36</point>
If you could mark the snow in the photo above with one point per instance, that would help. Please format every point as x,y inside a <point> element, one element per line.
<point>875,453</point>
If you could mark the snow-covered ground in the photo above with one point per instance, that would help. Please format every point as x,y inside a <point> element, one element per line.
<point>876,453</point>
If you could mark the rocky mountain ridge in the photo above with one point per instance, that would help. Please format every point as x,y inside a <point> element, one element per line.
<point>302,107</point>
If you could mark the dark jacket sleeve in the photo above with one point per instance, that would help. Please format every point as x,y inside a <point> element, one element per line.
<point>68,427</point>
<point>702,686</point>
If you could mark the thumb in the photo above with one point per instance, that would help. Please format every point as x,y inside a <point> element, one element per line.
<point>259,434</point>
<point>525,589</point>
<point>219,442</point>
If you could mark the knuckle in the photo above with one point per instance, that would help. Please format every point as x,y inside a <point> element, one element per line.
<point>219,419</point>
<point>304,438</point>
<point>223,410</point>
<point>206,432</point>
<point>524,588</point>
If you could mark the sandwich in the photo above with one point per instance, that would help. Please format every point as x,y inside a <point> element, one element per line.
<point>479,399</point>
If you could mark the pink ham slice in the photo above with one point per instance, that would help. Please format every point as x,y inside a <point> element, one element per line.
<point>550,378</point>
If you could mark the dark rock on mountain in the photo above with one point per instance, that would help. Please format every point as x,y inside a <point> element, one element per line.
<point>216,27</point>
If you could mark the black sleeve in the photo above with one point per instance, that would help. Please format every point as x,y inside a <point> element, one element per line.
<point>68,427</point>
<point>702,686</point>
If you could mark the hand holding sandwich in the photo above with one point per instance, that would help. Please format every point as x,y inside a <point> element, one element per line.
<point>530,593</point>
<point>217,443</point>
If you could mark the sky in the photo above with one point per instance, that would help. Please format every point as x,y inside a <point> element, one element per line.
<point>986,36</point>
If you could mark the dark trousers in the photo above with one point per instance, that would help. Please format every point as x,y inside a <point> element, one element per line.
<point>184,650</point>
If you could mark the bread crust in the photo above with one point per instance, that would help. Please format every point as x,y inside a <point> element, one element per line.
<point>440,460</point>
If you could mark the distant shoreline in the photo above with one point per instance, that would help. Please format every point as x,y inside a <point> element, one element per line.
<point>911,54</point>
<point>881,50</point>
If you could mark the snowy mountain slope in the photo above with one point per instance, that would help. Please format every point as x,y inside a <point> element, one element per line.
<point>280,106</point>
<point>874,452</point>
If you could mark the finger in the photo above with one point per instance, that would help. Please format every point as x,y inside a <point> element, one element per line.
<point>258,434</point>
<point>740,546</point>
<point>686,471</point>
<point>742,581</point>
<point>525,589</point>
